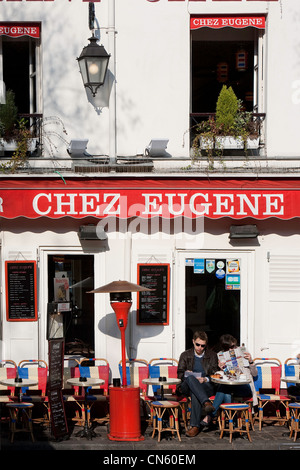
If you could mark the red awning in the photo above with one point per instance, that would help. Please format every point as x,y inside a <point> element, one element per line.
<point>17,30</point>
<point>238,22</point>
<point>147,198</point>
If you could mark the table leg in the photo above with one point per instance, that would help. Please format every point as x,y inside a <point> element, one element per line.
<point>87,430</point>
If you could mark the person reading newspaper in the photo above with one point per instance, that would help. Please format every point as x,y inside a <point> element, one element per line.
<point>234,361</point>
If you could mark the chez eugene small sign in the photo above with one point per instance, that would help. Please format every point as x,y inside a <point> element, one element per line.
<point>148,203</point>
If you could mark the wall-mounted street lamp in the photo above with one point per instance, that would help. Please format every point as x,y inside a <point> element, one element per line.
<point>93,63</point>
<point>93,60</point>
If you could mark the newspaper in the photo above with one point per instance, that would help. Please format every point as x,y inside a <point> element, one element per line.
<point>234,358</point>
<point>195,374</point>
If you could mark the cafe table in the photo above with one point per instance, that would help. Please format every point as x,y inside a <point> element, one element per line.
<point>19,407</point>
<point>85,382</point>
<point>18,384</point>
<point>161,383</point>
<point>295,380</point>
<point>230,381</point>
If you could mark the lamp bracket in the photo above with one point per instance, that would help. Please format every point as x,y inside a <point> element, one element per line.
<point>91,15</point>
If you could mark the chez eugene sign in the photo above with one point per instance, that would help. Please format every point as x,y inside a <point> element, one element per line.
<point>146,203</point>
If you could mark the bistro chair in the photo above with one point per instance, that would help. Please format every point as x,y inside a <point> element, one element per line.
<point>165,417</point>
<point>37,370</point>
<point>267,385</point>
<point>229,412</point>
<point>167,367</point>
<point>294,427</point>
<point>292,369</point>
<point>97,368</point>
<point>8,370</point>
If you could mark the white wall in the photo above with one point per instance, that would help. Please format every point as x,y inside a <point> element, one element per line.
<point>152,44</point>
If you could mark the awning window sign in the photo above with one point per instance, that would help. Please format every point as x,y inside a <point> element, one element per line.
<point>126,203</point>
<point>218,22</point>
<point>17,30</point>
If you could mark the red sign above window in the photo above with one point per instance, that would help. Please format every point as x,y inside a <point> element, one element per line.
<point>17,30</point>
<point>238,22</point>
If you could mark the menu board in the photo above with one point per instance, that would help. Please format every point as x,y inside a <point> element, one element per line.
<point>59,424</point>
<point>153,307</point>
<point>56,357</point>
<point>57,410</point>
<point>21,291</point>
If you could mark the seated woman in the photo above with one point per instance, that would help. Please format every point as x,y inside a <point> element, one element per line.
<point>224,392</point>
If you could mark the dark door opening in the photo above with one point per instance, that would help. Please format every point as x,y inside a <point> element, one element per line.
<point>78,321</point>
<point>214,63</point>
<point>212,305</point>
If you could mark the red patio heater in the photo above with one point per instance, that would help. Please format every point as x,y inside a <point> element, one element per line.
<point>124,402</point>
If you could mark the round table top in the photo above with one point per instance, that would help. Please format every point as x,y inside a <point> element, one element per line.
<point>156,381</point>
<point>295,380</point>
<point>227,381</point>
<point>85,383</point>
<point>24,383</point>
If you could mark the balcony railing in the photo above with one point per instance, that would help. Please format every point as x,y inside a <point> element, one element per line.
<point>256,118</point>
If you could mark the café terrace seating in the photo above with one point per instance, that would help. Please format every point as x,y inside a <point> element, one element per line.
<point>8,370</point>
<point>97,395</point>
<point>267,385</point>
<point>292,369</point>
<point>35,369</point>
<point>167,367</point>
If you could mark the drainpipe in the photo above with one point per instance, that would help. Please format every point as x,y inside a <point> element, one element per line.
<point>112,84</point>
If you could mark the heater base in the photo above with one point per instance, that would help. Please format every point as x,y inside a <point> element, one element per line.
<point>117,438</point>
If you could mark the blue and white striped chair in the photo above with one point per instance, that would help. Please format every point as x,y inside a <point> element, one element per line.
<point>292,369</point>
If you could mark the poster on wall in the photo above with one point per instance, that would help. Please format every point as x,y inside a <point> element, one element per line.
<point>21,290</point>
<point>153,307</point>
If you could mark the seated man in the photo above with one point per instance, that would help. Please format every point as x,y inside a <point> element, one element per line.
<point>204,362</point>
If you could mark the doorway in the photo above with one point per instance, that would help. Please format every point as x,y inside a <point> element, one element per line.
<point>70,277</point>
<point>212,298</point>
<point>207,298</point>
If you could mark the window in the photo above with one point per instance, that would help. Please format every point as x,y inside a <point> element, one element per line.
<point>70,277</point>
<point>19,54</point>
<point>226,55</point>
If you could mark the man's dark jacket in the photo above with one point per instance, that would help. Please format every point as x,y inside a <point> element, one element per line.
<point>186,362</point>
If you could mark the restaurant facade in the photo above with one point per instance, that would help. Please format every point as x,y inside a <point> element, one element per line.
<point>218,244</point>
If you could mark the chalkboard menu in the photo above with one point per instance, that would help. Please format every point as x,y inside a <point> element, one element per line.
<point>21,291</point>
<point>59,424</point>
<point>153,307</point>
<point>57,410</point>
<point>56,358</point>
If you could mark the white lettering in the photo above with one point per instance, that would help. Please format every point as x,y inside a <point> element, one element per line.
<point>273,201</point>
<point>114,200</point>
<point>203,206</point>
<point>152,204</point>
<point>171,204</point>
<point>69,203</point>
<point>254,208</point>
<point>89,202</point>
<point>220,203</point>
<point>36,201</point>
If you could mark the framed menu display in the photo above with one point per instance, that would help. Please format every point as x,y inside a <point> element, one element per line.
<point>153,307</point>
<point>21,290</point>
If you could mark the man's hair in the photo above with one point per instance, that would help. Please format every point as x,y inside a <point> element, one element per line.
<point>201,335</point>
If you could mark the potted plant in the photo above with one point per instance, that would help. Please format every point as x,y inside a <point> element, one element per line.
<point>231,128</point>
<point>12,129</point>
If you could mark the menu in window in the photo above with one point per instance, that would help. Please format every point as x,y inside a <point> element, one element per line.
<point>153,307</point>
<point>21,290</point>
